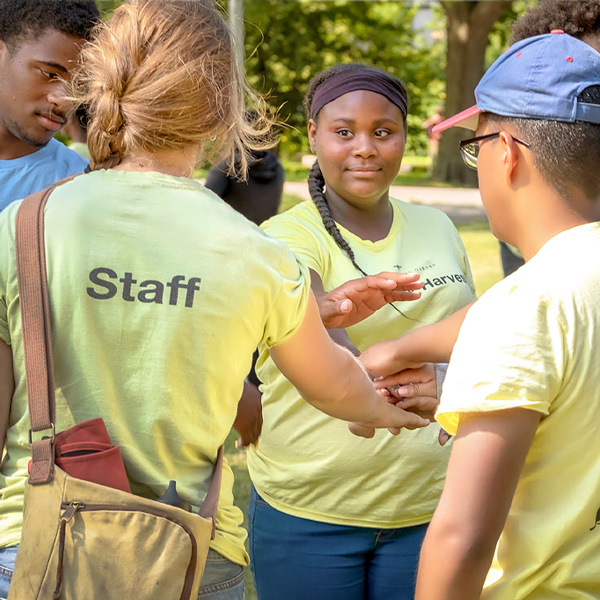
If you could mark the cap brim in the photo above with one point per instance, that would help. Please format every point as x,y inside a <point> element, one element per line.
<point>467,118</point>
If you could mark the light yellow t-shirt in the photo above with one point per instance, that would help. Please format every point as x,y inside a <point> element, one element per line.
<point>159,294</point>
<point>306,463</point>
<point>532,341</point>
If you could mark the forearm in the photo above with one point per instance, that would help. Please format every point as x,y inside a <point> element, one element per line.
<point>450,568</point>
<point>340,337</point>
<point>331,379</point>
<point>485,463</point>
<point>6,390</point>
<point>435,342</point>
<point>351,396</point>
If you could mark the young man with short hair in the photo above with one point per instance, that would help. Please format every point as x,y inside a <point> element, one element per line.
<point>518,516</point>
<point>39,46</point>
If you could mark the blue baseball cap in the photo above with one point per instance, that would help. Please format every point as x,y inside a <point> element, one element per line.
<point>537,78</point>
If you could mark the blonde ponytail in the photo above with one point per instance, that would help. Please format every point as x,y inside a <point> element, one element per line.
<point>161,75</point>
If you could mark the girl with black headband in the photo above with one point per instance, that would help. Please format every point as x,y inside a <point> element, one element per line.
<point>333,516</point>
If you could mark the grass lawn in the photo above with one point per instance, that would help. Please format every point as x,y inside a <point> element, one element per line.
<point>484,255</point>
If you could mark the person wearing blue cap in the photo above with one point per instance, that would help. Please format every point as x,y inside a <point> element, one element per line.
<point>518,515</point>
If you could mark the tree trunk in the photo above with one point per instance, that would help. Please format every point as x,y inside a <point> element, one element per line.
<point>468,25</point>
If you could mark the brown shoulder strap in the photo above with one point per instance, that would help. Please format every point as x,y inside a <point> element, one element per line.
<point>37,344</point>
<point>35,323</point>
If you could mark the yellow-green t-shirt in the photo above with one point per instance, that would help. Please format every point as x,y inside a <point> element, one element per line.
<point>532,341</point>
<point>159,294</point>
<point>307,464</point>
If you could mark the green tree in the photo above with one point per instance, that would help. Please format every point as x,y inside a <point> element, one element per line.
<point>477,32</point>
<point>107,6</point>
<point>289,41</point>
<point>468,27</point>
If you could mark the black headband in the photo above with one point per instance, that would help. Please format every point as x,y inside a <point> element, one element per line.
<point>352,80</point>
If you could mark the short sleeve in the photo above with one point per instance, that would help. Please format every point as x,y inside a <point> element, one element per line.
<point>300,238</point>
<point>290,300</point>
<point>510,353</point>
<point>7,258</point>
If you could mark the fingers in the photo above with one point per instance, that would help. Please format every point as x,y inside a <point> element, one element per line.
<point>396,283</point>
<point>406,280</point>
<point>401,418</point>
<point>402,296</point>
<point>425,404</point>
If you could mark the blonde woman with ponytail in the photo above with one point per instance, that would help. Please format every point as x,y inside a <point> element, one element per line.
<point>159,292</point>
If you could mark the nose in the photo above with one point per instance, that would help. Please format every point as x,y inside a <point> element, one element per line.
<point>364,146</point>
<point>57,97</point>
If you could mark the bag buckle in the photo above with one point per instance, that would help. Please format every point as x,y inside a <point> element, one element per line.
<point>44,437</point>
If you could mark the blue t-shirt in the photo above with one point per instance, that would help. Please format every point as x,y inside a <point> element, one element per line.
<point>22,176</point>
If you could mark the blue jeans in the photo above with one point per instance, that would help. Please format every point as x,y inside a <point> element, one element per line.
<point>300,559</point>
<point>222,579</point>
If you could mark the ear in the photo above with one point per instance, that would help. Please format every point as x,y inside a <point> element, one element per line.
<point>312,135</point>
<point>511,156</point>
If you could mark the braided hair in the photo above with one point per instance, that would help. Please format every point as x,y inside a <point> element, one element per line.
<point>316,181</point>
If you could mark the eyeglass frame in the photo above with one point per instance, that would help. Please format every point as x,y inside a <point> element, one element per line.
<point>476,140</point>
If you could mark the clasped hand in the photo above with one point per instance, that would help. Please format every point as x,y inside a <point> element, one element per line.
<point>413,390</point>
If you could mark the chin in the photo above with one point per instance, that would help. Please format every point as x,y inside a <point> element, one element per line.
<point>37,141</point>
<point>34,136</point>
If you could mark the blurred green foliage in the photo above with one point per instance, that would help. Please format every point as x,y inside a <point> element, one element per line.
<point>289,41</point>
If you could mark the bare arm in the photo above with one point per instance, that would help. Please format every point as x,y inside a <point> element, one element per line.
<point>432,343</point>
<point>329,377</point>
<point>342,306</point>
<point>485,464</point>
<point>7,386</point>
<point>248,421</point>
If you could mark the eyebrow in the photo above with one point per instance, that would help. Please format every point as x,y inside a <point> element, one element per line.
<point>52,65</point>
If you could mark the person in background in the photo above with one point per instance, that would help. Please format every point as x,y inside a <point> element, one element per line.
<point>40,42</point>
<point>159,292</point>
<point>76,129</point>
<point>521,393</point>
<point>332,516</point>
<point>258,196</point>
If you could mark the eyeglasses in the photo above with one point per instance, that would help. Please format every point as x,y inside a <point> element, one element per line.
<point>469,149</point>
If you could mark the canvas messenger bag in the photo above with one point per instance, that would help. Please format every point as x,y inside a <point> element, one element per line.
<point>82,540</point>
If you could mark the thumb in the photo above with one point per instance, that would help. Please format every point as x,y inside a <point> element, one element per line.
<point>345,306</point>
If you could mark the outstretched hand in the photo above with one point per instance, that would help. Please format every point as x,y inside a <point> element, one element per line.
<point>358,299</point>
